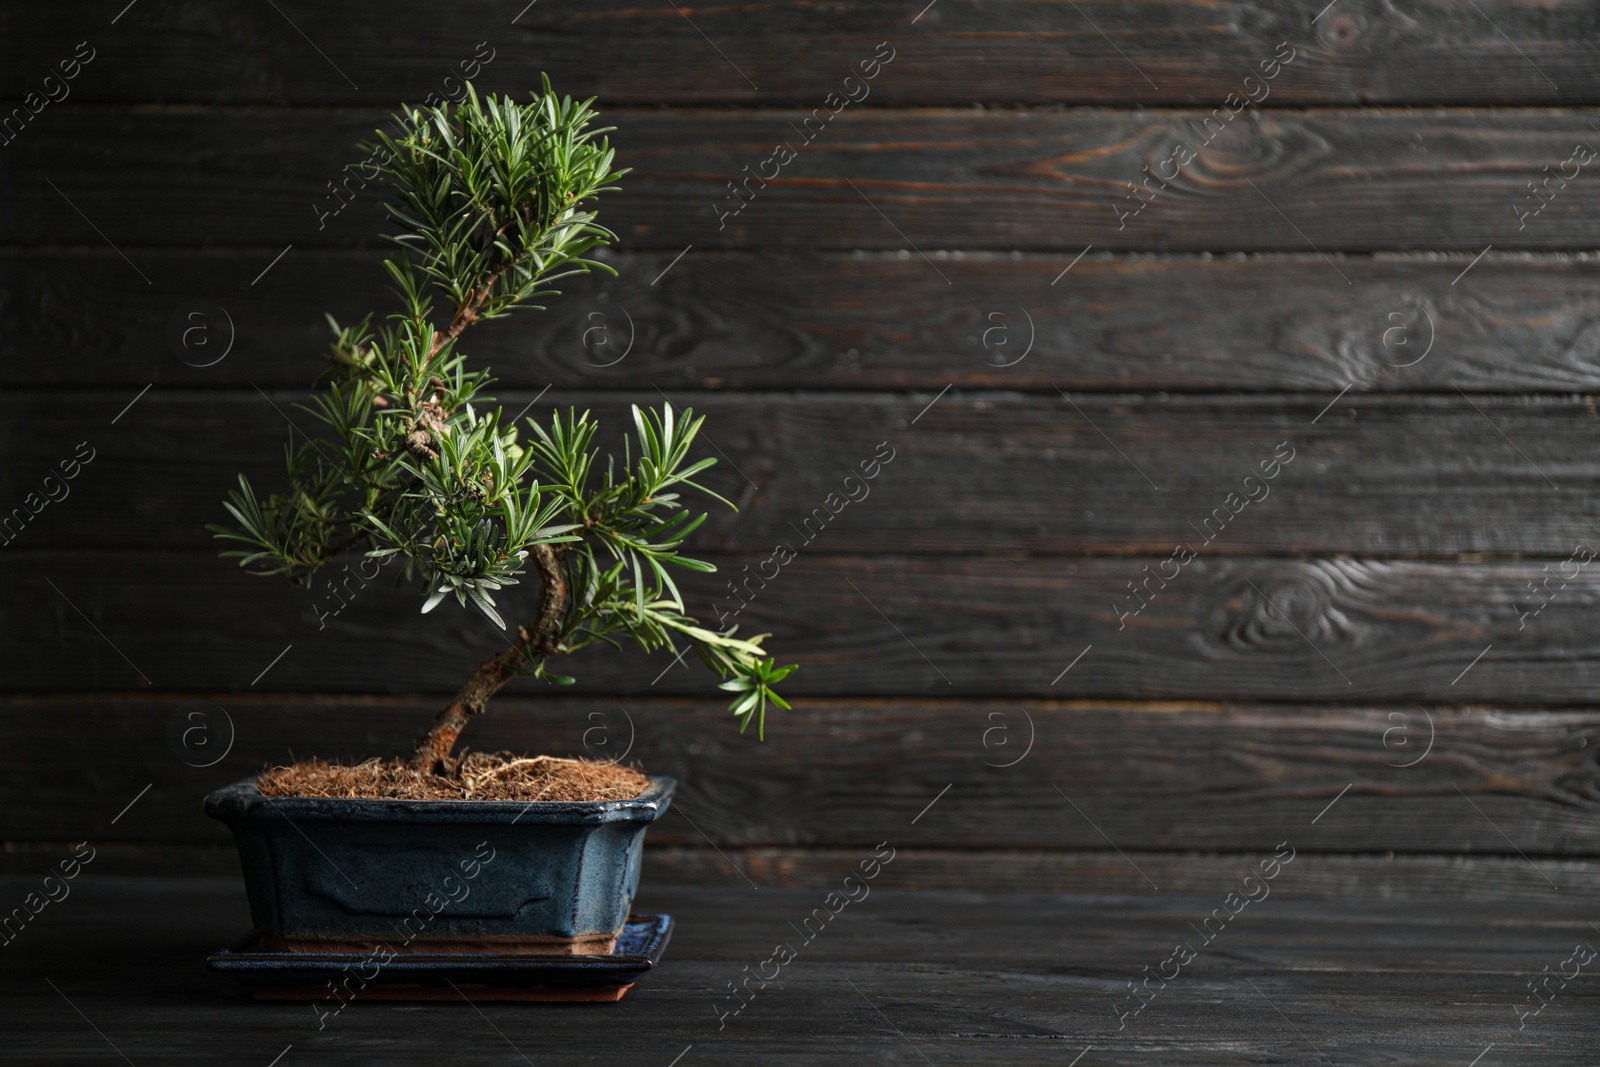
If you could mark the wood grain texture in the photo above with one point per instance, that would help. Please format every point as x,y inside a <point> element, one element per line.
<point>893,979</point>
<point>1381,605</point>
<point>1279,180</point>
<point>958,51</point>
<point>1510,880</point>
<point>962,474</point>
<point>1507,880</point>
<point>1254,629</point>
<point>1174,777</point>
<point>741,322</point>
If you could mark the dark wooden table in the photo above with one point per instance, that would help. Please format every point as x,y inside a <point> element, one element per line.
<point>115,973</point>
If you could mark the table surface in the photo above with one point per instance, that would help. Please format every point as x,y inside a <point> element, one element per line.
<point>115,973</point>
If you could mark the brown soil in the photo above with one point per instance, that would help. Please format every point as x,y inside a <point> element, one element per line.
<point>479,776</point>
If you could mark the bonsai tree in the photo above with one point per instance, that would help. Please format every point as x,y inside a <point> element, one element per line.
<point>414,460</point>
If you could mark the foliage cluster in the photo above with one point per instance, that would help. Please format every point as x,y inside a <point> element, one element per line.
<point>414,459</point>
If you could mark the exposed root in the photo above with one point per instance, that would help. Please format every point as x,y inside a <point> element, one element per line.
<point>475,776</point>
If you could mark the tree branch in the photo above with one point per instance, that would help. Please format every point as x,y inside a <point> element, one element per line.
<point>535,641</point>
<point>466,314</point>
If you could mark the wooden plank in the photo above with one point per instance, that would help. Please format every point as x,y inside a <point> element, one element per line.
<point>1395,476</point>
<point>954,977</point>
<point>1326,876</point>
<point>1036,52</point>
<point>923,181</point>
<point>1505,880</point>
<point>740,321</point>
<point>1172,777</point>
<point>859,626</point>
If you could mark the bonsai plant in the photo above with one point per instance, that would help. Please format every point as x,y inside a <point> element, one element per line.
<point>414,463</point>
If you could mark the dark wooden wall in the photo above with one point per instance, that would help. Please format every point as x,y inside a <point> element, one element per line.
<point>1343,268</point>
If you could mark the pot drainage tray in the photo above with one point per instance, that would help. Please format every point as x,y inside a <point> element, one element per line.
<point>340,977</point>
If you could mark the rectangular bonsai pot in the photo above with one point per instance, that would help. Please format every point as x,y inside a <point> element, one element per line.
<point>349,875</point>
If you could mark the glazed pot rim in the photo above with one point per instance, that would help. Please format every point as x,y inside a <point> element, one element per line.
<point>243,801</point>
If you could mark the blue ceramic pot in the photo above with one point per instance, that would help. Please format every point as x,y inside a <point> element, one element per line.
<point>335,874</point>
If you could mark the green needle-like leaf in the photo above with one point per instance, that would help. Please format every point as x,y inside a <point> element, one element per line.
<point>493,201</point>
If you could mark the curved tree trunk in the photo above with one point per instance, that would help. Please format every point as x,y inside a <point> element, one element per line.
<point>534,641</point>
